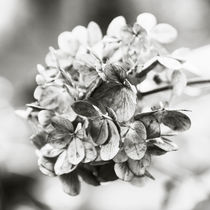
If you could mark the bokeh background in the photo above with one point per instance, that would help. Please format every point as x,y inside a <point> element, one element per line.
<point>27,29</point>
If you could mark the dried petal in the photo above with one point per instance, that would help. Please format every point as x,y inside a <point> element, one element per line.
<point>90,152</point>
<point>151,123</point>
<point>109,150</point>
<point>71,183</point>
<point>49,151</point>
<point>164,144</point>
<point>134,142</point>
<point>115,73</point>
<point>123,172</point>
<point>86,109</point>
<point>62,124</point>
<point>138,167</point>
<point>62,164</point>
<point>120,157</point>
<point>39,139</point>
<point>76,151</point>
<point>99,131</point>
<point>175,120</point>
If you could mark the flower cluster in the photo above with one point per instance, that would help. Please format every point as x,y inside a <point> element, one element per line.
<point>88,118</point>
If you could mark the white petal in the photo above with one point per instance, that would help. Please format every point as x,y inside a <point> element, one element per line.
<point>80,33</point>
<point>115,26</point>
<point>146,20</point>
<point>164,33</point>
<point>94,33</point>
<point>68,43</point>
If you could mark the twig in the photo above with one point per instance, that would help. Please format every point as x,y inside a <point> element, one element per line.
<point>169,87</point>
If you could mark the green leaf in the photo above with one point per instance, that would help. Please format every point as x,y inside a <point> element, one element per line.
<point>99,131</point>
<point>123,172</point>
<point>134,142</point>
<point>138,167</point>
<point>86,109</point>
<point>49,151</point>
<point>71,184</point>
<point>62,164</point>
<point>90,152</point>
<point>175,120</point>
<point>76,151</point>
<point>151,123</point>
<point>62,124</point>
<point>110,149</point>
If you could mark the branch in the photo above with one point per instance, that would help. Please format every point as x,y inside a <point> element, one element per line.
<point>169,87</point>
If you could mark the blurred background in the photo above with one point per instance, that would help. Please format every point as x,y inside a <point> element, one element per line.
<point>27,29</point>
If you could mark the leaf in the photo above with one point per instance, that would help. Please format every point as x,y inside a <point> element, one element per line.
<point>62,164</point>
<point>123,172</point>
<point>88,176</point>
<point>90,152</point>
<point>46,166</point>
<point>116,26</point>
<point>71,184</point>
<point>49,151</point>
<point>164,33</point>
<point>120,157</point>
<point>115,73</point>
<point>164,144</point>
<point>94,33</point>
<point>99,131</point>
<point>146,20</point>
<point>169,63</point>
<point>134,144</point>
<point>86,109</point>
<point>138,167</point>
<point>175,120</point>
<point>120,98</point>
<point>110,149</point>
<point>178,81</point>
<point>68,43</point>
<point>151,124</point>
<point>62,124</point>
<point>76,151</point>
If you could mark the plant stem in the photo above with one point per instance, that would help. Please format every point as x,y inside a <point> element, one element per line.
<point>169,87</point>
